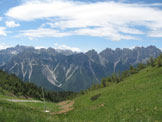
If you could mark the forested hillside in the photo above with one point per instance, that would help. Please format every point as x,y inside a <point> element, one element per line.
<point>137,97</point>
<point>15,86</point>
<point>121,76</point>
<point>64,70</point>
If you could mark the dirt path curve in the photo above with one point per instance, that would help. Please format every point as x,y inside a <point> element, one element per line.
<point>65,107</point>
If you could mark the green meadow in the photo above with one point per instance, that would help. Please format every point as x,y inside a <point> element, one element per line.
<point>136,99</point>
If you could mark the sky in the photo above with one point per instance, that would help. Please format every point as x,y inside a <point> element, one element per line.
<point>81,25</point>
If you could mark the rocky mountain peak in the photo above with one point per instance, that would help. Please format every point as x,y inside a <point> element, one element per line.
<point>51,68</point>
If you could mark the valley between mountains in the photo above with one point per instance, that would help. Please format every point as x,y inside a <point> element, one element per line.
<point>64,70</point>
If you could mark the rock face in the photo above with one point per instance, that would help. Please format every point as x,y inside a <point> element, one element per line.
<point>66,70</point>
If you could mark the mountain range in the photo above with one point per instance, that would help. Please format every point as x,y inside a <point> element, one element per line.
<point>58,70</point>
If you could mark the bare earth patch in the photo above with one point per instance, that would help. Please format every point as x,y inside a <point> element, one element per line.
<point>63,103</point>
<point>65,107</point>
<point>96,107</point>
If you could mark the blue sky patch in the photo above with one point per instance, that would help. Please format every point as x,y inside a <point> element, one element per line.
<point>81,25</point>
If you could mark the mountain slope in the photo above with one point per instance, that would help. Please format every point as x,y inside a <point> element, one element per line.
<point>8,53</point>
<point>137,98</point>
<point>64,70</point>
<point>12,85</point>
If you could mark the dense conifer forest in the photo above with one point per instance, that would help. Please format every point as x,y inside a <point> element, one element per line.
<point>17,87</point>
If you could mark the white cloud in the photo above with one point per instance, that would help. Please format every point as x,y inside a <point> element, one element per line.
<point>61,47</point>
<point>40,47</point>
<point>12,24</point>
<point>112,20</point>
<point>43,32</point>
<point>98,32</point>
<point>3,46</point>
<point>65,47</point>
<point>133,47</point>
<point>3,31</point>
<point>104,32</point>
<point>157,33</point>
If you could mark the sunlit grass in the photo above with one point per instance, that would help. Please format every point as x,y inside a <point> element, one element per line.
<point>137,99</point>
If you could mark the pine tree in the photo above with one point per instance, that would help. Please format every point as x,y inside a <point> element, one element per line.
<point>103,82</point>
<point>159,61</point>
<point>113,78</point>
<point>125,74</point>
<point>148,62</point>
<point>141,66</point>
<point>132,69</point>
<point>152,62</point>
<point>119,78</point>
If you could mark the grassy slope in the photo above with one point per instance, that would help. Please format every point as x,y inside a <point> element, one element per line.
<point>138,98</point>
<point>24,112</point>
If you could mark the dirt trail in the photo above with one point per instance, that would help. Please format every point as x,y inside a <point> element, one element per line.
<point>33,101</point>
<point>65,107</point>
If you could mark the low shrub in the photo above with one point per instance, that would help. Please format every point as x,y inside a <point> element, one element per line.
<point>95,97</point>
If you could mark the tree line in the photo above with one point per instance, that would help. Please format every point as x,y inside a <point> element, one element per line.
<point>17,87</point>
<point>118,77</point>
<point>14,85</point>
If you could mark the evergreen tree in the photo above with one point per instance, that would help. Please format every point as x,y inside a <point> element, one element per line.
<point>160,56</point>
<point>132,70</point>
<point>103,81</point>
<point>152,62</point>
<point>113,78</point>
<point>159,61</point>
<point>19,88</point>
<point>108,79</point>
<point>141,66</point>
<point>148,62</point>
<point>125,74</point>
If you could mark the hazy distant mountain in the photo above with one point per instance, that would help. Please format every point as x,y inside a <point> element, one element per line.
<point>7,54</point>
<point>65,70</point>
